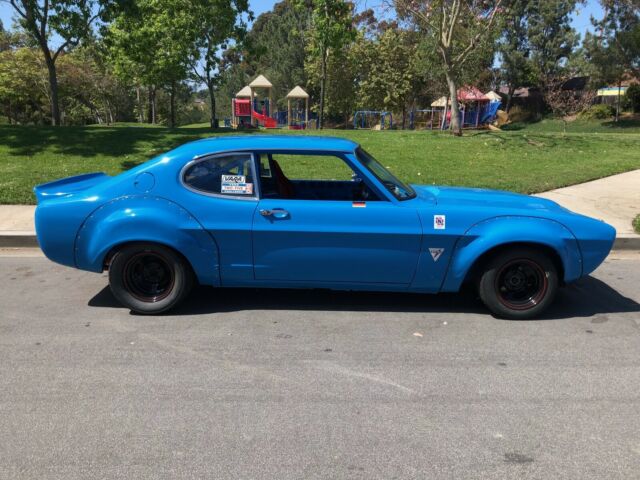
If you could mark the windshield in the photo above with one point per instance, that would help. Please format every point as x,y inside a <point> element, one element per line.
<point>391,183</point>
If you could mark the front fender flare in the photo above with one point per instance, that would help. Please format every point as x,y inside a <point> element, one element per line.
<point>145,218</point>
<point>498,231</point>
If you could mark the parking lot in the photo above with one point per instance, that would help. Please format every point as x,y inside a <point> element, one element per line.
<point>282,384</point>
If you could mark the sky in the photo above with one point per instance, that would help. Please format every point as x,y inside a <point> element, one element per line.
<point>581,21</point>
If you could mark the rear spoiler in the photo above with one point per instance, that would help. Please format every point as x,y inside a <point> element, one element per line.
<point>68,186</point>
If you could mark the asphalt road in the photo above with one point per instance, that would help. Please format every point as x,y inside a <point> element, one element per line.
<point>258,384</point>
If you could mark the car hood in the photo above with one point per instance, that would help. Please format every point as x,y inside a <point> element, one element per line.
<point>480,197</point>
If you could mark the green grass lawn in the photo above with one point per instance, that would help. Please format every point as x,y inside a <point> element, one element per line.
<point>531,159</point>
<point>550,125</point>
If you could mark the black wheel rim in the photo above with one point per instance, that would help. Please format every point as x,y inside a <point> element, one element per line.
<point>521,284</point>
<point>148,277</point>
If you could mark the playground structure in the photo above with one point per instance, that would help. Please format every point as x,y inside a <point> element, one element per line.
<point>372,119</point>
<point>297,118</point>
<point>241,109</point>
<point>426,119</point>
<point>249,110</point>
<point>476,110</point>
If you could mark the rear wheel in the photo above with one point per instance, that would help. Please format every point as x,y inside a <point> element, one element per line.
<point>149,278</point>
<point>518,283</point>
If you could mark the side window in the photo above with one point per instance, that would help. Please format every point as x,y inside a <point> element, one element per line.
<point>314,167</point>
<point>228,175</point>
<point>310,177</point>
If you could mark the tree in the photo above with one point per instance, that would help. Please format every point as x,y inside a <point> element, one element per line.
<point>275,46</point>
<point>69,19</point>
<point>514,47</point>
<point>24,87</point>
<point>456,28</point>
<point>342,76</point>
<point>332,28</point>
<point>152,42</point>
<point>632,96</point>
<point>551,39</point>
<point>565,102</point>
<point>216,22</point>
<point>390,65</point>
<point>615,49</point>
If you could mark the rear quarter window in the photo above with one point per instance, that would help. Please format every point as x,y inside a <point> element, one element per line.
<point>227,175</point>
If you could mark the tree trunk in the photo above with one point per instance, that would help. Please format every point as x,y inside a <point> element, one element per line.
<point>510,93</point>
<point>454,124</point>
<point>404,116</point>
<point>172,105</point>
<point>618,100</point>
<point>323,80</point>
<point>149,105</point>
<point>152,105</point>
<point>139,106</point>
<point>212,105</point>
<point>53,87</point>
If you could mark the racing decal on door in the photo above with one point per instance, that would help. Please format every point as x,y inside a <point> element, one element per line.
<point>436,253</point>
<point>439,222</point>
<point>236,184</point>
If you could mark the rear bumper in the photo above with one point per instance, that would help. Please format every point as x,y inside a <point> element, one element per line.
<point>595,246</point>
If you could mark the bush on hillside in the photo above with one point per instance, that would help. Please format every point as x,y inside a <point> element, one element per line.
<point>598,112</point>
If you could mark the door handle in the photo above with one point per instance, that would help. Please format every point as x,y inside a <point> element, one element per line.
<point>278,213</point>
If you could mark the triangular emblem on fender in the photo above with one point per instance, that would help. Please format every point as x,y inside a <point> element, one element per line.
<point>436,253</point>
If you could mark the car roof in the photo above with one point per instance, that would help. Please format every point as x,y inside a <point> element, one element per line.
<point>225,143</point>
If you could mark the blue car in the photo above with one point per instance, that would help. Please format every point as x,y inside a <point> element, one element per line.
<point>309,212</point>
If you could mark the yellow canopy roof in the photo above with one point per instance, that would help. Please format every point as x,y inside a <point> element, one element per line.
<point>244,93</point>
<point>441,102</point>
<point>261,82</point>
<point>297,92</point>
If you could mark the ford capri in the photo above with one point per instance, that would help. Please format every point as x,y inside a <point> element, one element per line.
<point>279,211</point>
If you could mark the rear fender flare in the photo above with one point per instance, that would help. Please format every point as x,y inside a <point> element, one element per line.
<point>502,231</point>
<point>146,218</point>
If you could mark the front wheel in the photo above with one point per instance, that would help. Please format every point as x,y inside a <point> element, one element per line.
<point>519,283</point>
<point>149,278</point>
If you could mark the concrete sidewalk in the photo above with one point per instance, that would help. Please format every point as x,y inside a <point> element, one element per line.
<point>615,199</point>
<point>16,226</point>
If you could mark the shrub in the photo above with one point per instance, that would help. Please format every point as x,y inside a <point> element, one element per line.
<point>598,112</point>
<point>632,98</point>
<point>518,113</point>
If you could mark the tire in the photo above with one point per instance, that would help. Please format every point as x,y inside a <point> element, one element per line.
<point>518,283</point>
<point>149,278</point>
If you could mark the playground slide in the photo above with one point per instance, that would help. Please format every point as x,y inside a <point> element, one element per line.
<point>268,122</point>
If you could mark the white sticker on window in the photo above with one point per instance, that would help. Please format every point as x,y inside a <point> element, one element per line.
<point>439,222</point>
<point>235,184</point>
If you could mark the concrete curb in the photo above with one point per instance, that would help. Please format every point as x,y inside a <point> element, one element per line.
<point>16,239</point>
<point>627,242</point>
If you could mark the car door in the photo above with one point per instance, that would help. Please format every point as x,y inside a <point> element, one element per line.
<point>219,192</point>
<point>334,241</point>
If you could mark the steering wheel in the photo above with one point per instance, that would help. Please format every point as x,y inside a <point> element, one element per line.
<point>361,192</point>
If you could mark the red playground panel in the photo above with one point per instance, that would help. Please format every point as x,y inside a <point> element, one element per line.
<point>243,108</point>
